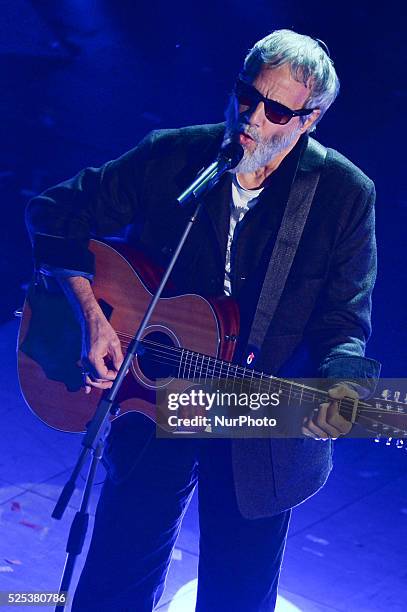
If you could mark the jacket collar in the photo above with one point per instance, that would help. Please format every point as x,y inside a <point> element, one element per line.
<point>312,157</point>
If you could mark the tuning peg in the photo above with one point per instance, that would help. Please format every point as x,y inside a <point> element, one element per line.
<point>388,441</point>
<point>377,438</point>
<point>399,443</point>
<point>386,394</point>
<point>397,396</point>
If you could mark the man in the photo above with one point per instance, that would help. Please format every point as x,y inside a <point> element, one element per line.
<point>320,327</point>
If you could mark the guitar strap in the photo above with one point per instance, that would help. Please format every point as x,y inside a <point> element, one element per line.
<point>295,215</point>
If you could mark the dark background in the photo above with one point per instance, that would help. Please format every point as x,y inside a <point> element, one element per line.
<point>83,80</point>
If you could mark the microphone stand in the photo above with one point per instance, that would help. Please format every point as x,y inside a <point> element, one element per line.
<point>99,427</point>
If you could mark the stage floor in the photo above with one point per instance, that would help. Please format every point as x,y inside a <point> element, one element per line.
<point>346,546</point>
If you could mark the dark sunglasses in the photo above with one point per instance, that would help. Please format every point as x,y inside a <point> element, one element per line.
<point>247,95</point>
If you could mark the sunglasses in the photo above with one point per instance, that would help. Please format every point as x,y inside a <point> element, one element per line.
<point>247,95</point>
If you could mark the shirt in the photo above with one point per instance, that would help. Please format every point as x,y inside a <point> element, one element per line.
<point>242,201</point>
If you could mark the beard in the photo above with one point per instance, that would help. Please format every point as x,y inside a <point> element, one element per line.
<point>266,149</point>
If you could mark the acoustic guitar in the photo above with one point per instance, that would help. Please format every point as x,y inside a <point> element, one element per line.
<point>189,338</point>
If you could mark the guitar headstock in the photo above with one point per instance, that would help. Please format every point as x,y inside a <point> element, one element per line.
<point>392,408</point>
<point>399,442</point>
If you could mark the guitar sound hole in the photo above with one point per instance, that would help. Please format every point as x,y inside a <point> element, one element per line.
<point>158,360</point>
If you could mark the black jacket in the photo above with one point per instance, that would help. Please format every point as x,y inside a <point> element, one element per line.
<point>322,322</point>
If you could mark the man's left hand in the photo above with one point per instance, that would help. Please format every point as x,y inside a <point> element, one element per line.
<point>327,422</point>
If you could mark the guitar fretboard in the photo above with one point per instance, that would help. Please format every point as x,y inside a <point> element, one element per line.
<point>198,367</point>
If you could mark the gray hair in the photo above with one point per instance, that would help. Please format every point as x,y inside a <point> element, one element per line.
<point>308,61</point>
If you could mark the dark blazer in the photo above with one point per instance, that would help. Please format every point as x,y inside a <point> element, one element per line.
<point>322,322</point>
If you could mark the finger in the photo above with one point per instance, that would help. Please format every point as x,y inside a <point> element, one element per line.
<point>307,432</point>
<point>87,374</point>
<point>98,368</point>
<point>117,354</point>
<point>315,430</point>
<point>98,384</point>
<point>341,390</point>
<point>111,374</point>
<point>325,421</point>
<point>335,419</point>
<point>87,388</point>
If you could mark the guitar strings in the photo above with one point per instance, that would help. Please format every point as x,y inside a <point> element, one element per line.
<point>187,357</point>
<point>246,374</point>
<point>191,354</point>
<point>259,377</point>
<point>367,418</point>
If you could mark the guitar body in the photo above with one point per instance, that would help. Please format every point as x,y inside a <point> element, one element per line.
<point>49,342</point>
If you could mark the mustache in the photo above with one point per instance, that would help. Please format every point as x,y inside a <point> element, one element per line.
<point>248,130</point>
<point>236,123</point>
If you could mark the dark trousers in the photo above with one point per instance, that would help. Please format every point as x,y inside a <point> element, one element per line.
<point>139,518</point>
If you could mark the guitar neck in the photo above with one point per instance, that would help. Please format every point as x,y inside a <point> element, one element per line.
<point>190,365</point>
<point>376,416</point>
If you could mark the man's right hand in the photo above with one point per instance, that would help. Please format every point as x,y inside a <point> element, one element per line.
<point>101,349</point>
<point>101,352</point>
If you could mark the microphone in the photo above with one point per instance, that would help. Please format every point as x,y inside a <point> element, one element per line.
<point>229,156</point>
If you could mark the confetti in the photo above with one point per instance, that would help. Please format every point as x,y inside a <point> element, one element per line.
<point>30,525</point>
<point>15,506</point>
<point>5,568</point>
<point>13,561</point>
<point>317,540</point>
